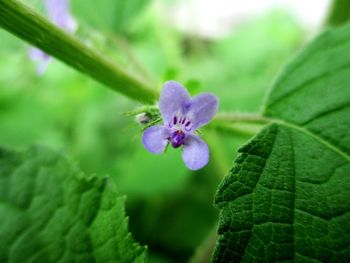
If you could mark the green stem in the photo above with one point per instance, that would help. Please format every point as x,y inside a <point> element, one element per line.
<point>241,117</point>
<point>239,124</point>
<point>240,131</point>
<point>339,13</point>
<point>30,26</point>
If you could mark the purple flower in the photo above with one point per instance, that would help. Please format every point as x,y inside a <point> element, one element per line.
<point>41,58</point>
<point>182,116</point>
<point>59,13</point>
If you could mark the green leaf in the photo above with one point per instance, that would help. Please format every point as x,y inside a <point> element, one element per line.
<point>339,13</point>
<point>287,196</point>
<point>50,212</point>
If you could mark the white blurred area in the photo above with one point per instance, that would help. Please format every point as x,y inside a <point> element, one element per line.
<point>216,18</point>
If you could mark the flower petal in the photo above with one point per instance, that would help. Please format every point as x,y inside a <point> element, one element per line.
<point>59,13</point>
<point>42,66</point>
<point>36,54</point>
<point>203,108</point>
<point>173,98</point>
<point>41,58</point>
<point>155,139</point>
<point>195,152</point>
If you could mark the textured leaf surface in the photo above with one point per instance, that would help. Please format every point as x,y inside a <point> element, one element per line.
<point>50,212</point>
<point>287,196</point>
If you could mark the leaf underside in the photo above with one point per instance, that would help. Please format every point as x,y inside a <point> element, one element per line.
<point>50,212</point>
<point>287,196</point>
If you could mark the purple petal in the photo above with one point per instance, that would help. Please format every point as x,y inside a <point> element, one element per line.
<point>203,108</point>
<point>173,98</point>
<point>42,59</point>
<point>195,152</point>
<point>36,54</point>
<point>59,13</point>
<point>42,66</point>
<point>155,139</point>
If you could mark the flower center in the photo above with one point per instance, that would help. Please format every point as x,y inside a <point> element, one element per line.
<point>177,138</point>
<point>179,127</point>
<point>181,123</point>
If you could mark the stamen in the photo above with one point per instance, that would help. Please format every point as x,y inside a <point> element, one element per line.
<point>177,138</point>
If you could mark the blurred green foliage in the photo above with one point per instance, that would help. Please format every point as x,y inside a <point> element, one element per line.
<point>170,208</point>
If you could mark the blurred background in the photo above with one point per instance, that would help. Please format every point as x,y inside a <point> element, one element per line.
<point>229,47</point>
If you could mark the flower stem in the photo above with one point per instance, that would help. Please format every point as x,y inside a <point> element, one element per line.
<point>30,26</point>
<point>239,124</point>
<point>242,117</point>
<point>240,131</point>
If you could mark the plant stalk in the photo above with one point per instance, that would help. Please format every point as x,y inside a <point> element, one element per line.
<point>241,117</point>
<point>25,23</point>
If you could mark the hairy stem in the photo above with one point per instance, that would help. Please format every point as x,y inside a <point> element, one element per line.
<point>240,131</point>
<point>229,117</point>
<point>30,26</point>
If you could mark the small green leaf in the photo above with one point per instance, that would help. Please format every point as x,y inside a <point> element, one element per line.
<point>50,212</point>
<point>287,196</point>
